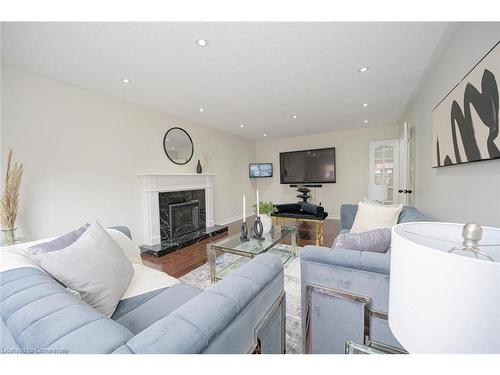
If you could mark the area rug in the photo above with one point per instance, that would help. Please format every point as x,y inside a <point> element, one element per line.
<point>200,278</point>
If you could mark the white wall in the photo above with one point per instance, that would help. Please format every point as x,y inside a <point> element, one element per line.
<point>461,193</point>
<point>82,151</point>
<point>352,162</point>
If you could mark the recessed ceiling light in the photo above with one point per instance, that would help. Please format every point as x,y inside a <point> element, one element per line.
<point>126,81</point>
<point>202,109</point>
<point>365,104</point>
<point>202,42</point>
<point>265,135</point>
<point>366,121</point>
<point>294,117</point>
<point>242,126</point>
<point>364,69</point>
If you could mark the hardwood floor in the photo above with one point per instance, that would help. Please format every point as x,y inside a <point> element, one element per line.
<point>187,259</point>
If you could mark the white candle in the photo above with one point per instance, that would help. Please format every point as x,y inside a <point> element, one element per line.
<point>258,210</point>
<point>244,208</point>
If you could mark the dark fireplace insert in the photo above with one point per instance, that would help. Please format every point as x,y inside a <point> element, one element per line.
<point>184,218</point>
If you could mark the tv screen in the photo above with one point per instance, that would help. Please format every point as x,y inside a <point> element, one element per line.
<point>308,166</point>
<point>257,170</point>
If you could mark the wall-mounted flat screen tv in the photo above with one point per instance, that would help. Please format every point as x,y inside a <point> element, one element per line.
<point>308,166</point>
<point>257,170</point>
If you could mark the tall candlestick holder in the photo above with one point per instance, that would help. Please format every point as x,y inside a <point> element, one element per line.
<point>244,232</point>
<point>258,229</point>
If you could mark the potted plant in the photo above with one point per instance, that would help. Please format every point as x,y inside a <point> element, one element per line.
<point>9,202</point>
<point>266,209</point>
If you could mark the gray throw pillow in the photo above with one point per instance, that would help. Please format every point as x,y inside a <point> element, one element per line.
<point>94,266</point>
<point>60,242</point>
<point>377,240</point>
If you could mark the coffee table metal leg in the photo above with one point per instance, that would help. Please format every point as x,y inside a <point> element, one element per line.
<point>294,243</point>
<point>212,258</point>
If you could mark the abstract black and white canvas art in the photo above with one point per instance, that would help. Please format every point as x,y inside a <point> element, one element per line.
<point>465,122</point>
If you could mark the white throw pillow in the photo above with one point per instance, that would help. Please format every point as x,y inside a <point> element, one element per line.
<point>95,266</point>
<point>372,216</point>
<point>131,250</point>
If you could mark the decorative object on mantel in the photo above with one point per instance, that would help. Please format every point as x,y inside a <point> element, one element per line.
<point>199,169</point>
<point>178,146</point>
<point>9,202</point>
<point>477,126</point>
<point>205,159</point>
<point>244,228</point>
<point>442,300</point>
<point>264,212</point>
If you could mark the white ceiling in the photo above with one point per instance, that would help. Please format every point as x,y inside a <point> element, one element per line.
<point>256,74</point>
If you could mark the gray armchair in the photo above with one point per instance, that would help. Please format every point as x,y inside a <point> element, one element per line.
<point>345,293</point>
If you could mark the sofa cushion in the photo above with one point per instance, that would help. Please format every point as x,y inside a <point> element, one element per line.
<point>370,216</point>
<point>60,242</point>
<point>377,240</point>
<point>94,266</point>
<point>39,315</point>
<point>147,279</point>
<point>139,312</point>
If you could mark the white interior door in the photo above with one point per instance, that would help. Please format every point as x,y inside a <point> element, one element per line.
<point>406,162</point>
<point>385,167</point>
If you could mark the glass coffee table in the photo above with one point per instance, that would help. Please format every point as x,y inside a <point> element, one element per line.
<point>272,243</point>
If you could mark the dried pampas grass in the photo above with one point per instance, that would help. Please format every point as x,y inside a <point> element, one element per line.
<point>9,202</point>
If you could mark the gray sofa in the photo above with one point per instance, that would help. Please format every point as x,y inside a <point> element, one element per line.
<point>345,293</point>
<point>240,314</point>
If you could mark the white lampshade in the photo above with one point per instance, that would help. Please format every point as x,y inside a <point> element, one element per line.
<point>441,302</point>
<point>377,192</point>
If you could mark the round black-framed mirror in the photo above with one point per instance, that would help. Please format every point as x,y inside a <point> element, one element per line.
<point>178,145</point>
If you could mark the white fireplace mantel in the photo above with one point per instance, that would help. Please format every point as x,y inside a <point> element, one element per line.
<point>154,183</point>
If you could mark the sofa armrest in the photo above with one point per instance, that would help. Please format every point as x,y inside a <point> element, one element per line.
<point>360,260</point>
<point>357,284</point>
<point>347,215</point>
<point>411,214</point>
<point>194,326</point>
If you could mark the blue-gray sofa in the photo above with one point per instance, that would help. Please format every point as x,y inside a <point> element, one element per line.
<point>243,313</point>
<point>345,293</point>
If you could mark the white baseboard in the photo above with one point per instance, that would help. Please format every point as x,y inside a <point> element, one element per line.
<point>231,219</point>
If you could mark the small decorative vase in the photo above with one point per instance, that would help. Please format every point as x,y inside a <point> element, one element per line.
<point>267,223</point>
<point>258,229</point>
<point>198,168</point>
<point>9,236</point>
<point>244,232</point>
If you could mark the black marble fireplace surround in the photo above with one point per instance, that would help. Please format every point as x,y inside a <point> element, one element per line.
<point>175,198</point>
<point>188,234</point>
